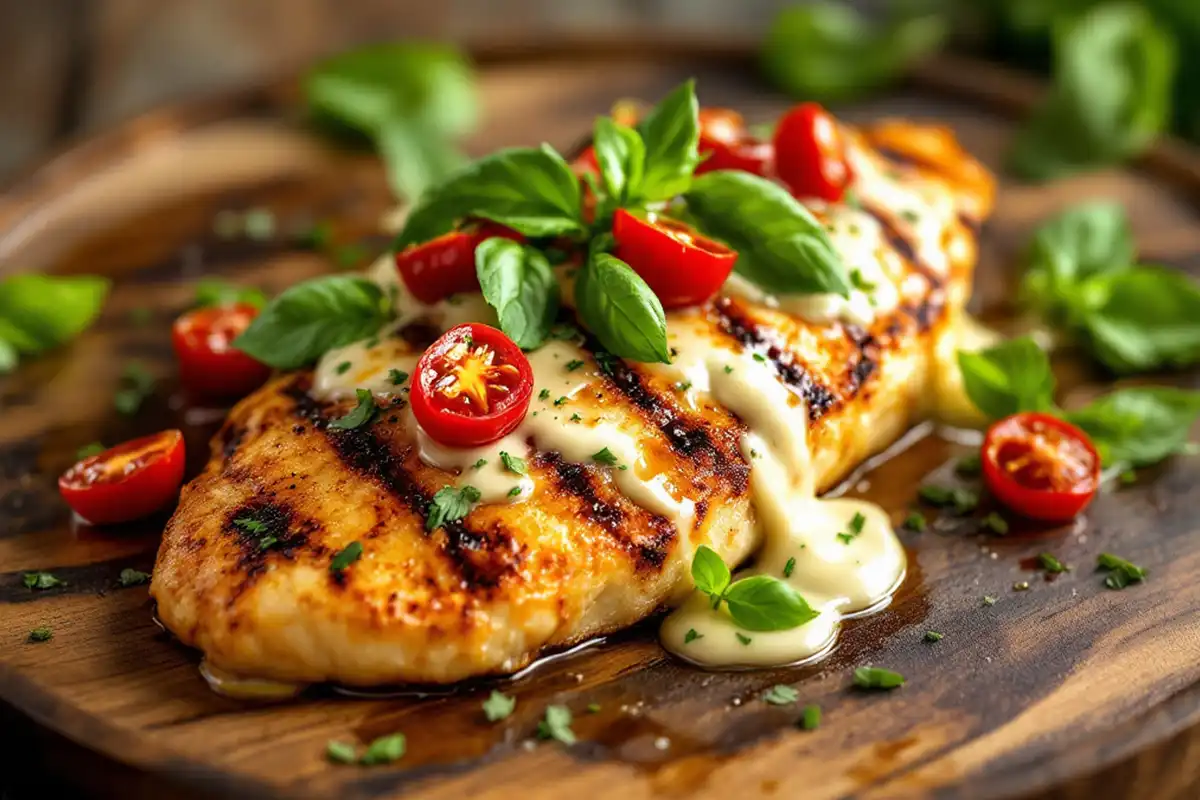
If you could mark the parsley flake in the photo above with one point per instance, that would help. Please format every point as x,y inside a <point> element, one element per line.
<point>1051,564</point>
<point>340,752</point>
<point>574,364</point>
<point>42,634</point>
<point>916,521</point>
<point>989,600</point>
<point>959,501</point>
<point>343,367</point>
<point>132,577</point>
<point>250,525</point>
<point>40,580</point>
<point>934,636</point>
<point>513,464</point>
<point>346,556</point>
<point>514,491</point>
<point>1121,573</point>
<point>789,567</point>
<point>137,384</point>
<point>544,394</point>
<point>556,725</point>
<point>969,466</point>
<point>593,708</point>
<point>605,457</point>
<point>562,401</point>
<point>480,464</point>
<point>860,282</point>
<point>743,638</point>
<point>810,718</point>
<point>692,636</point>
<point>576,418</point>
<point>362,414</point>
<point>384,750</point>
<point>781,695</point>
<point>856,527</point>
<point>728,370</point>
<point>450,504</point>
<point>759,357</point>
<point>995,523</point>
<point>397,376</point>
<point>498,706</point>
<point>877,678</point>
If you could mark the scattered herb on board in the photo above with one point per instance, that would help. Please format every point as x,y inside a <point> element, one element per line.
<point>556,724</point>
<point>995,523</point>
<point>781,695</point>
<point>40,580</point>
<point>877,678</point>
<point>810,718</point>
<point>969,466</point>
<point>958,501</point>
<point>934,636</point>
<point>132,577</point>
<point>1121,573</point>
<point>916,521</point>
<point>137,384</point>
<point>340,752</point>
<point>41,634</point>
<point>498,706</point>
<point>384,750</point>
<point>990,600</point>
<point>1051,564</point>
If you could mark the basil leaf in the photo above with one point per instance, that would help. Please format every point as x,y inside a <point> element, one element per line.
<point>517,281</point>
<point>40,312</point>
<point>362,414</point>
<point>217,292</point>
<point>416,156</point>
<point>671,133</point>
<point>1141,319</point>
<point>1140,426</point>
<point>1086,240</point>
<point>829,51</point>
<point>781,246</point>
<point>1113,74</point>
<point>709,572</point>
<point>1010,377</point>
<point>529,189</point>
<point>621,310</point>
<point>621,155</point>
<point>313,317</point>
<point>765,603</point>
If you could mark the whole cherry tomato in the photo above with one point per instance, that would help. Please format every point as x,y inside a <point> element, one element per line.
<point>126,482</point>
<point>728,145</point>
<point>810,154</point>
<point>209,364</point>
<point>444,266</point>
<point>681,265</point>
<point>471,387</point>
<point>1040,466</point>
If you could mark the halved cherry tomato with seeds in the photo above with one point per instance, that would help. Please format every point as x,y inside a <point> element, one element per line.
<point>681,265</point>
<point>471,387</point>
<point>209,364</point>
<point>126,482</point>
<point>1040,466</point>
<point>810,154</point>
<point>444,266</point>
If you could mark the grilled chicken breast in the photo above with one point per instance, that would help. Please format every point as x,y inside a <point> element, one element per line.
<point>579,553</point>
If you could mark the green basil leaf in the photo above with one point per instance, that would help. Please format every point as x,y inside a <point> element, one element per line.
<point>780,244</point>
<point>529,189</point>
<point>1083,241</point>
<point>311,318</point>
<point>8,357</point>
<point>1010,377</point>
<point>362,414</point>
<point>1141,319</point>
<point>709,572</point>
<point>621,310</point>
<point>765,603</point>
<point>416,156</point>
<point>518,282</point>
<point>671,133</point>
<point>1114,68</point>
<point>621,155</point>
<point>829,51</point>
<point>40,312</point>
<point>217,292</point>
<point>1140,426</point>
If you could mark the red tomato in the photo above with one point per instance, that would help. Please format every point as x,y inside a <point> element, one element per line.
<point>810,154</point>
<point>682,266</point>
<point>471,387</point>
<point>446,265</point>
<point>209,364</point>
<point>126,482</point>
<point>748,155</point>
<point>722,125</point>
<point>1040,466</point>
<point>586,162</point>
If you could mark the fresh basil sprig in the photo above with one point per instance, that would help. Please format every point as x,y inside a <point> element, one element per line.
<point>621,154</point>
<point>40,312</point>
<point>757,603</point>
<point>621,310</point>
<point>671,132</point>
<point>1113,74</point>
<point>517,281</point>
<point>781,246</point>
<point>311,318</point>
<point>531,190</point>
<point>1132,427</point>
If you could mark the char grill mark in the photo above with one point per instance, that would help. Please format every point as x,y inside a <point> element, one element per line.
<point>482,559</point>
<point>649,552</point>
<point>250,525</point>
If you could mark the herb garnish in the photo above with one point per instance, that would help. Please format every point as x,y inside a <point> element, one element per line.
<point>514,464</point>
<point>692,636</point>
<point>340,752</point>
<point>605,457</point>
<point>995,523</point>
<point>346,556</point>
<point>132,577</point>
<point>934,636</point>
<point>544,394</point>
<point>855,529</point>
<point>810,718</point>
<point>384,750</point>
<point>39,312</point>
<point>450,504</point>
<point>969,466</point>
<point>343,368</point>
<point>41,634</point>
<point>1051,564</point>
<point>498,706</point>
<point>789,567</point>
<point>574,364</point>
<point>397,377</point>
<point>877,678</point>
<point>989,600</point>
<point>958,501</point>
<point>1121,573</point>
<point>743,638</point>
<point>756,603</point>
<point>362,414</point>
<point>480,464</point>
<point>781,695</point>
<point>915,521</point>
<point>556,725</point>
<point>40,580</point>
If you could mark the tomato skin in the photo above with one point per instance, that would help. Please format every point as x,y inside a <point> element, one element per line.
<point>126,482</point>
<point>586,162</point>
<point>728,145</point>
<point>1040,466</point>
<point>682,266</point>
<point>451,420</point>
<point>209,364</point>
<point>444,266</point>
<point>810,154</point>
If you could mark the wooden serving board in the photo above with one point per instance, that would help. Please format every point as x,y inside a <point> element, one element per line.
<point>1066,688</point>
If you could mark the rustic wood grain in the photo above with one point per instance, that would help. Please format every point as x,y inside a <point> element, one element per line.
<point>1066,689</point>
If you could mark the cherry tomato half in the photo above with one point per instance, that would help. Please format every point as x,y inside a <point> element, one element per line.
<point>681,265</point>
<point>126,482</point>
<point>471,387</point>
<point>444,266</point>
<point>728,145</point>
<point>810,154</point>
<point>1040,466</point>
<point>209,364</point>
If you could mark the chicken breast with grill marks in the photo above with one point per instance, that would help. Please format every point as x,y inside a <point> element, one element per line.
<point>583,548</point>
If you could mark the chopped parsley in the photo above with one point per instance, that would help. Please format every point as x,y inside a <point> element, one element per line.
<point>683,386</point>
<point>132,577</point>
<point>995,523</point>
<point>89,450</point>
<point>910,215</point>
<point>362,414</point>
<point>969,466</point>
<point>743,638</point>
<point>397,376</point>
<point>859,281</point>
<point>934,636</point>
<point>450,504</point>
<point>780,695</point>
<point>916,521</point>
<point>347,556</point>
<point>605,457</point>
<point>728,370</point>
<point>514,491</point>
<point>564,332</point>
<point>576,418</point>
<point>340,752</point>
<point>137,383</point>
<point>384,750</point>
<point>1051,564</point>
<point>759,357</point>
<point>692,636</point>
<point>40,580</point>
<point>513,464</point>
<point>480,464</point>
<point>343,367</point>
<point>562,401</point>
<point>498,706</point>
<point>959,501</point>
<point>1121,573</point>
<point>250,525</point>
<point>789,567</point>
<point>544,394</point>
<point>42,634</point>
<point>877,678</point>
<point>574,364</point>
<point>856,528</point>
<point>810,718</point>
<point>989,600</point>
<point>556,725</point>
